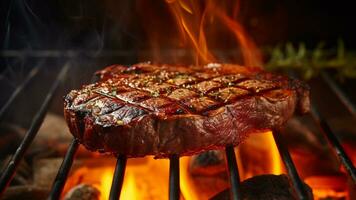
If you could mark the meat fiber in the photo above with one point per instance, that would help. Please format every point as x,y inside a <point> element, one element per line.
<point>159,110</point>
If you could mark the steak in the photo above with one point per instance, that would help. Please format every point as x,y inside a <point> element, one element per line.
<point>159,110</point>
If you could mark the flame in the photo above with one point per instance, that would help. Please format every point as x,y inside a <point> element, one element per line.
<point>250,52</point>
<point>191,18</point>
<point>91,176</point>
<point>145,178</point>
<point>186,185</point>
<point>276,159</point>
<point>206,27</point>
<point>105,182</point>
<point>129,188</point>
<point>259,155</point>
<point>190,21</point>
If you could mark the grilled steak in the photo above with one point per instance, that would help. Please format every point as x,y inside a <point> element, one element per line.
<point>160,110</point>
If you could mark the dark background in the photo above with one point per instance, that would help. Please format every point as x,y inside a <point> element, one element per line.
<point>109,24</point>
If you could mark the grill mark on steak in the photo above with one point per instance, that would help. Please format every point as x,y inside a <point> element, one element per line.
<point>238,80</point>
<point>159,110</point>
<point>127,100</point>
<point>121,116</point>
<point>178,110</point>
<point>239,97</point>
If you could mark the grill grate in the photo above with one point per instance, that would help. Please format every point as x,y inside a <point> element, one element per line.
<point>291,169</point>
<point>334,143</point>
<point>118,178</point>
<point>36,123</point>
<point>63,171</point>
<point>174,191</point>
<point>233,173</point>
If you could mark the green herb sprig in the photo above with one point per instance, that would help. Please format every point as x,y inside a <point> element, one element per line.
<point>310,63</point>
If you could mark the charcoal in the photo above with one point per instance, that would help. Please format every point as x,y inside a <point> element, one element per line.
<point>26,192</point>
<point>207,163</point>
<point>83,192</point>
<point>265,187</point>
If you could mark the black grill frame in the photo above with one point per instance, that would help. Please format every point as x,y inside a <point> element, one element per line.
<point>174,191</point>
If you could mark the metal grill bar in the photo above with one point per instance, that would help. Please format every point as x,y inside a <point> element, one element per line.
<point>118,178</point>
<point>63,171</point>
<point>334,142</point>
<point>326,130</point>
<point>291,169</point>
<point>339,93</point>
<point>19,89</point>
<point>174,188</point>
<point>233,173</point>
<point>10,169</point>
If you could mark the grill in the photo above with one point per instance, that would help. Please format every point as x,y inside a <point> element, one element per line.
<point>117,180</point>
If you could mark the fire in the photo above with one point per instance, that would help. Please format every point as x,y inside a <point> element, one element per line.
<point>205,27</point>
<point>250,52</point>
<point>328,186</point>
<point>194,19</point>
<point>186,185</point>
<point>147,178</point>
<point>129,188</point>
<point>81,176</point>
<point>190,18</point>
<point>105,182</point>
<point>259,155</point>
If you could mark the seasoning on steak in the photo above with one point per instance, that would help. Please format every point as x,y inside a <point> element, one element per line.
<point>160,110</point>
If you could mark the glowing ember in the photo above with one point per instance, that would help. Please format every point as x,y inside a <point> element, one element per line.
<point>328,186</point>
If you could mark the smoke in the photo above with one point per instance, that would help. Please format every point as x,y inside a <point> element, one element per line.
<point>53,25</point>
<point>22,26</point>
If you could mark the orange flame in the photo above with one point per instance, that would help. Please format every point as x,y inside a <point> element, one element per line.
<point>250,52</point>
<point>145,178</point>
<point>204,23</point>
<point>260,156</point>
<point>91,176</point>
<point>190,21</point>
<point>129,188</point>
<point>186,185</point>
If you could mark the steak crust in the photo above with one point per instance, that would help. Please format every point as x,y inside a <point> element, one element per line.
<point>159,110</point>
